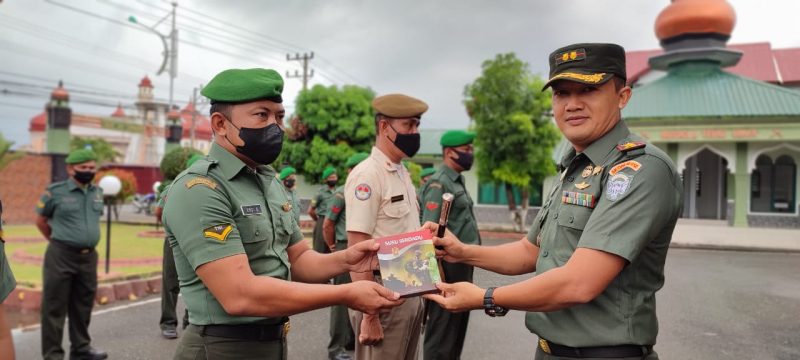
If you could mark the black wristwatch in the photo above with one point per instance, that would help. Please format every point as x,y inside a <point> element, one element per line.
<point>490,307</point>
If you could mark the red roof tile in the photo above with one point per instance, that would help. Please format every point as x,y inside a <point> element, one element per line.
<point>788,61</point>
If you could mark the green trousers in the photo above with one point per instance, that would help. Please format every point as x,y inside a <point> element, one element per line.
<point>541,355</point>
<point>194,346</point>
<point>445,331</point>
<point>70,284</point>
<point>319,239</point>
<point>169,292</point>
<point>341,331</point>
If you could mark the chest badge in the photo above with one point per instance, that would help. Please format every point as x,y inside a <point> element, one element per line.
<point>587,172</point>
<point>287,206</point>
<point>597,170</point>
<point>582,185</point>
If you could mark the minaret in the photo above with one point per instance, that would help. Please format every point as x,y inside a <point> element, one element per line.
<point>174,130</point>
<point>59,117</point>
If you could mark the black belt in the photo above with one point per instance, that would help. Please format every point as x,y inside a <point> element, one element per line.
<point>69,247</point>
<point>250,332</point>
<point>606,352</point>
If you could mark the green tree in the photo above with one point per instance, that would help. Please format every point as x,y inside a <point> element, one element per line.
<point>329,125</point>
<point>515,135</point>
<point>6,155</point>
<point>102,148</point>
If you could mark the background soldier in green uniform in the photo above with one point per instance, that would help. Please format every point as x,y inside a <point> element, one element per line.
<point>235,240</point>
<point>7,284</point>
<point>335,231</point>
<point>69,218</point>
<point>289,179</point>
<point>319,207</point>
<point>169,277</point>
<point>445,331</point>
<point>599,243</point>
<point>424,175</point>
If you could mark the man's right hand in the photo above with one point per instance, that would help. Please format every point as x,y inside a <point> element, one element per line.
<point>371,330</point>
<point>370,297</point>
<point>448,247</point>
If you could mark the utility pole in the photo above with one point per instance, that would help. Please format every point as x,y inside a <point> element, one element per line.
<point>306,75</point>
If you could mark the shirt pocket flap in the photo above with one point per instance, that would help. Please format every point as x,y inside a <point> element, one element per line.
<point>396,210</point>
<point>252,229</point>
<point>574,216</point>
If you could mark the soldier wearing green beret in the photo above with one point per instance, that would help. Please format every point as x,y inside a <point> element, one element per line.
<point>289,179</point>
<point>169,276</point>
<point>69,218</point>
<point>7,285</point>
<point>599,243</point>
<point>319,207</point>
<point>381,201</point>
<point>445,331</point>
<point>335,231</point>
<point>235,239</point>
<point>425,175</point>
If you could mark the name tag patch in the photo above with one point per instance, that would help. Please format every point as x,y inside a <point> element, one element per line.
<point>249,210</point>
<point>578,198</point>
<point>397,198</point>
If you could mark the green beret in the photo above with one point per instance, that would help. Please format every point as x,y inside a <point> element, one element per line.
<point>427,172</point>
<point>328,172</point>
<point>399,106</point>
<point>457,138</point>
<point>356,159</point>
<point>245,85</point>
<point>80,156</point>
<point>286,172</point>
<point>192,159</point>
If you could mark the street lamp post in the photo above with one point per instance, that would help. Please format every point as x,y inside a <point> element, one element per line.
<point>170,49</point>
<point>111,187</point>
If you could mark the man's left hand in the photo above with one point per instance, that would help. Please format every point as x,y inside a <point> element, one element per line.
<point>458,297</point>
<point>362,257</point>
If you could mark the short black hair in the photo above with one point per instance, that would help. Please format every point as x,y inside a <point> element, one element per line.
<point>224,108</point>
<point>619,82</point>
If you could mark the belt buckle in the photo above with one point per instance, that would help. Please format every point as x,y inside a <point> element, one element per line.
<point>286,327</point>
<point>84,251</point>
<point>544,346</point>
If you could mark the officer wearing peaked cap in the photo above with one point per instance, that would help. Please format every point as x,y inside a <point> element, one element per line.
<point>599,243</point>
<point>381,201</point>
<point>235,239</point>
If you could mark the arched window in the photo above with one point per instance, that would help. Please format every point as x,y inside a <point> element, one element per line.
<point>772,185</point>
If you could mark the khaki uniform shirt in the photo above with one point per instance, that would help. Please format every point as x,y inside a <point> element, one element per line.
<point>73,212</point>
<point>623,202</point>
<point>380,198</point>
<point>461,220</point>
<point>7,281</point>
<point>220,207</point>
<point>336,214</point>
<point>322,200</point>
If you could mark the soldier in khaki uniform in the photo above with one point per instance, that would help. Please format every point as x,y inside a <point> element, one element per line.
<point>319,207</point>
<point>599,244</point>
<point>289,180</point>
<point>335,231</point>
<point>445,331</point>
<point>7,285</point>
<point>382,201</point>
<point>235,238</point>
<point>69,218</point>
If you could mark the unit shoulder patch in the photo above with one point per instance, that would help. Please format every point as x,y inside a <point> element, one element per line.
<point>218,232</point>
<point>617,186</point>
<point>363,191</point>
<point>631,145</point>
<point>431,205</point>
<point>211,184</point>
<point>630,164</point>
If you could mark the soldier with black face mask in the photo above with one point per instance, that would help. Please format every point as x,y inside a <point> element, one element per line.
<point>319,207</point>
<point>69,218</point>
<point>289,180</point>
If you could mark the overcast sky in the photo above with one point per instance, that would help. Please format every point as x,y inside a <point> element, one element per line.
<point>428,49</point>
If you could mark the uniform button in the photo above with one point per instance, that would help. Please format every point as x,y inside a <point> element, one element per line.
<point>571,218</point>
<point>545,253</point>
<point>257,232</point>
<point>571,179</point>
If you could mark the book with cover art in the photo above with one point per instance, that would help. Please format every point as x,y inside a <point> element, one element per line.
<point>408,263</point>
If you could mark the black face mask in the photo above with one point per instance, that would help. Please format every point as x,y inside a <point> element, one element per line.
<point>262,145</point>
<point>288,183</point>
<point>407,143</point>
<point>331,183</point>
<point>84,177</point>
<point>464,160</point>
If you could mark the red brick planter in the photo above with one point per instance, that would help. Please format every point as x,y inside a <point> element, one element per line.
<point>124,291</point>
<point>154,285</point>
<point>105,294</point>
<point>139,287</point>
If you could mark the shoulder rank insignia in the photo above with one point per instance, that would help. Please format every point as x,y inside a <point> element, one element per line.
<point>632,145</point>
<point>218,232</point>
<point>630,164</point>
<point>581,199</point>
<point>587,171</point>
<point>211,184</point>
<point>572,55</point>
<point>582,186</point>
<point>287,206</point>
